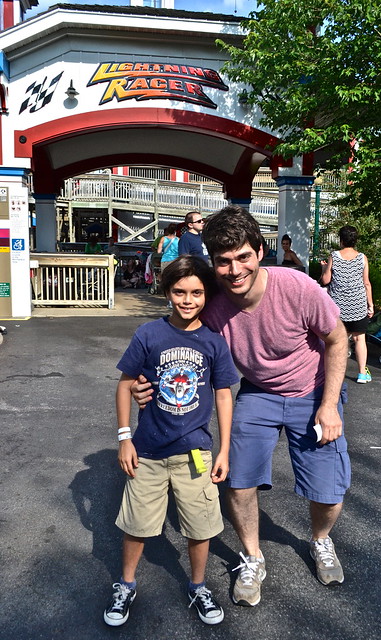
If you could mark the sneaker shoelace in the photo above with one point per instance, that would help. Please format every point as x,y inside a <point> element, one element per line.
<point>120,595</point>
<point>325,552</point>
<point>249,569</point>
<point>205,596</point>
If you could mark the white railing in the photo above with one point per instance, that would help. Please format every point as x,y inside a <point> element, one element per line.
<point>159,196</point>
<point>264,180</point>
<point>67,279</point>
<point>264,207</point>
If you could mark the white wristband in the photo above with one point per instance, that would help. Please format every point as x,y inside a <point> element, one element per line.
<point>124,436</point>
<point>124,429</point>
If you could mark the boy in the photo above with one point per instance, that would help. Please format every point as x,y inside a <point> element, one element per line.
<point>172,444</point>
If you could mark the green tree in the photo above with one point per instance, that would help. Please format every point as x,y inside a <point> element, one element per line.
<point>314,68</point>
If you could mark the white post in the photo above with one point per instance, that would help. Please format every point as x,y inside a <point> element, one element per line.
<point>294,214</point>
<point>46,232</point>
<point>15,292</point>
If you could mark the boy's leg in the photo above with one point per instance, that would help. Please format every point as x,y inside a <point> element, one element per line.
<point>132,551</point>
<point>208,609</point>
<point>118,610</point>
<point>198,507</point>
<point>198,556</point>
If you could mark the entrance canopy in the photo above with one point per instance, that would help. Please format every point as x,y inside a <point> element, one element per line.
<point>83,88</point>
<point>90,88</point>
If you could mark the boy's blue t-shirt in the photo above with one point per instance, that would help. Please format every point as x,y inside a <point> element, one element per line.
<point>184,367</point>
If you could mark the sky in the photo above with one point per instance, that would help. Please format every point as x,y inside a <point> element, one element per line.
<point>230,7</point>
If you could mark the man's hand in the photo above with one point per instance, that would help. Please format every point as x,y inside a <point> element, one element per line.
<point>127,457</point>
<point>142,391</point>
<point>331,423</point>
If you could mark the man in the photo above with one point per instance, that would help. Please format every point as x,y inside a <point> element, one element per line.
<point>287,340</point>
<point>191,242</point>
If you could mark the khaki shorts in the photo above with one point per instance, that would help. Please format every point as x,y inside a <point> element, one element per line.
<point>145,499</point>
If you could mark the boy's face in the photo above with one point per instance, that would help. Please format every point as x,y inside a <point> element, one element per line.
<point>188,300</point>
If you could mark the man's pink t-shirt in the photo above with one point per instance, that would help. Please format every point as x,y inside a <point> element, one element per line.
<point>276,346</point>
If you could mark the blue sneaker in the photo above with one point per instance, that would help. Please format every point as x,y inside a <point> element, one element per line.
<point>362,378</point>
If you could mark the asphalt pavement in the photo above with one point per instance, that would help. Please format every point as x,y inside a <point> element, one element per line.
<point>61,489</point>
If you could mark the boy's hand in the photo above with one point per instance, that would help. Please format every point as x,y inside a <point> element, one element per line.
<point>220,469</point>
<point>127,457</point>
<point>141,391</point>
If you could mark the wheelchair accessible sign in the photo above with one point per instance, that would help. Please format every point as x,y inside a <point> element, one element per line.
<point>18,244</point>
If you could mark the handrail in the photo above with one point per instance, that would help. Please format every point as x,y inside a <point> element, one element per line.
<point>68,279</point>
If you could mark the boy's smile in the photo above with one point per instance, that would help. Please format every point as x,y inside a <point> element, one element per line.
<point>188,300</point>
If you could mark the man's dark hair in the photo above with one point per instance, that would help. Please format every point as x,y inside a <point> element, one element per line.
<point>230,229</point>
<point>189,216</point>
<point>186,266</point>
<point>348,236</point>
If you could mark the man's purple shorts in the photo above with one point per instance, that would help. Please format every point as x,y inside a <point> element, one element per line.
<point>322,473</point>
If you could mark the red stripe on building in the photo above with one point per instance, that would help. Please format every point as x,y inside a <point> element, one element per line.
<point>8,15</point>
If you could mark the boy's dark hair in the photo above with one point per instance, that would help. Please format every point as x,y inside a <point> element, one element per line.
<point>230,229</point>
<point>186,266</point>
<point>171,229</point>
<point>348,236</point>
<point>189,216</point>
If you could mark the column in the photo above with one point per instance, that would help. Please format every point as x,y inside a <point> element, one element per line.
<point>294,214</point>
<point>46,224</point>
<point>15,292</point>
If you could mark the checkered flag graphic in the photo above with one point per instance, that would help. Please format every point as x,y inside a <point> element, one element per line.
<point>38,95</point>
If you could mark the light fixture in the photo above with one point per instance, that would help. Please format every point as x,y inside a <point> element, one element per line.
<point>71,92</point>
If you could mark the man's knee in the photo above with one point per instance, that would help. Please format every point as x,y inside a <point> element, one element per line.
<point>239,496</point>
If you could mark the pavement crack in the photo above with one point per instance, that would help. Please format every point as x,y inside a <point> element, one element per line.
<point>53,374</point>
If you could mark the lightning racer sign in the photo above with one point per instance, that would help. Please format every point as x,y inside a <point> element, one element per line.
<point>155,80</point>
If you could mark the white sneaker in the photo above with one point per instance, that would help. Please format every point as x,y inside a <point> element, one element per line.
<point>247,588</point>
<point>328,568</point>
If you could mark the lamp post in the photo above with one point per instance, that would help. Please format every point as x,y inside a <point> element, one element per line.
<point>318,186</point>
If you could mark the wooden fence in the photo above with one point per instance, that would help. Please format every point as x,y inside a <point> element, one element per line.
<point>68,279</point>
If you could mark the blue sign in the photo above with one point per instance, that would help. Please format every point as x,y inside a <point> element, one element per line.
<point>18,244</point>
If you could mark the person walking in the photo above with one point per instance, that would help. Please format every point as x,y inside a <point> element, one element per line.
<point>347,275</point>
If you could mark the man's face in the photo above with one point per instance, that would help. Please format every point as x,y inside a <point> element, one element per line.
<point>237,269</point>
<point>197,223</point>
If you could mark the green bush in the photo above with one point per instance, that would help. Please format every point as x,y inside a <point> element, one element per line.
<point>375,280</point>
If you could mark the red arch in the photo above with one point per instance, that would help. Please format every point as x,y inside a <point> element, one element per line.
<point>34,143</point>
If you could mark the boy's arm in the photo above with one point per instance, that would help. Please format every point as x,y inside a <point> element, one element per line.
<point>224,407</point>
<point>127,456</point>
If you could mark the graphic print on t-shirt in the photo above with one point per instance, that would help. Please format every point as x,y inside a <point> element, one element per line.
<point>179,376</point>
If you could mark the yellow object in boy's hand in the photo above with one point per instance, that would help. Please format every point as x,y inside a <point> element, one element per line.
<point>198,461</point>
